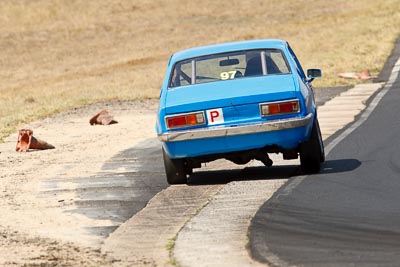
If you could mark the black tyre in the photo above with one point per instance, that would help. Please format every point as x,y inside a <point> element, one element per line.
<point>321,142</point>
<point>174,169</point>
<point>312,152</point>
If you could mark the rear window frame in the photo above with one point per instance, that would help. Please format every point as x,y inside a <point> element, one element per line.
<point>192,60</point>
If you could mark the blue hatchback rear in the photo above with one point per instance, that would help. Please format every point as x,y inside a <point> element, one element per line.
<point>238,101</point>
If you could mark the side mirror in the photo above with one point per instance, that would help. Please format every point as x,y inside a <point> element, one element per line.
<point>314,73</point>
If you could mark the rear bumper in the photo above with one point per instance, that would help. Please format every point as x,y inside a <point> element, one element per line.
<point>255,128</point>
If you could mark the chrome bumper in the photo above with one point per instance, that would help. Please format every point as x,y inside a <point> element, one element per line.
<point>221,131</point>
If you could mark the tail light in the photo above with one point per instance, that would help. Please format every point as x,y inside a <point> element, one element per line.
<point>278,108</point>
<point>185,120</point>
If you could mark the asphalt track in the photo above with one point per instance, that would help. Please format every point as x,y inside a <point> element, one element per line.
<point>349,214</point>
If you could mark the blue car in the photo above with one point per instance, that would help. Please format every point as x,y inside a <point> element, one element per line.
<point>238,101</point>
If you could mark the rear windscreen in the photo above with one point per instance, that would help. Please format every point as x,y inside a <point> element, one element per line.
<point>228,66</point>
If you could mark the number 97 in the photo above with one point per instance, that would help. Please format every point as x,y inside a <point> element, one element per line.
<point>228,75</point>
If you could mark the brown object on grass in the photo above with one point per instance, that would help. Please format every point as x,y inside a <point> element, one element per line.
<point>348,75</point>
<point>364,75</point>
<point>103,117</point>
<point>27,141</point>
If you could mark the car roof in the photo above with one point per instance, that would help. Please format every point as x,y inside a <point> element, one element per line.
<point>228,47</point>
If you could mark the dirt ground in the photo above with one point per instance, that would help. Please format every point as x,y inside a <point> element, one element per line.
<point>39,193</point>
<point>35,229</point>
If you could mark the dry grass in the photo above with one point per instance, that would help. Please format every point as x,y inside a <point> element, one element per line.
<point>58,54</point>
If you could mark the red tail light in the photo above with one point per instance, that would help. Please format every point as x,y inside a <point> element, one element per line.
<point>277,108</point>
<point>174,122</point>
<point>185,120</point>
<point>289,107</point>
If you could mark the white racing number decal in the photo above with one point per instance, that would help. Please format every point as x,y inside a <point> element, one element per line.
<point>226,75</point>
<point>215,116</point>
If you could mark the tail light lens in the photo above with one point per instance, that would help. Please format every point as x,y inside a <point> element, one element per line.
<point>278,108</point>
<point>185,120</point>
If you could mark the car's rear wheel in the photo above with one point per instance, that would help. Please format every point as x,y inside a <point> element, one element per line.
<point>321,143</point>
<point>174,169</point>
<point>312,152</point>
